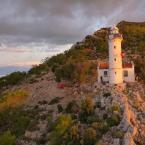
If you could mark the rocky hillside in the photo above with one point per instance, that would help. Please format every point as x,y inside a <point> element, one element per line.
<point>88,114</point>
<point>60,102</point>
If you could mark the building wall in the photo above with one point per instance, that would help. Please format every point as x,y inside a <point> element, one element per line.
<point>101,73</point>
<point>129,78</point>
<point>116,76</point>
<point>115,61</point>
<point>131,75</point>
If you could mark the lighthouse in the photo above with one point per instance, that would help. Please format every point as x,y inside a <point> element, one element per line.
<point>115,71</point>
<point>115,58</point>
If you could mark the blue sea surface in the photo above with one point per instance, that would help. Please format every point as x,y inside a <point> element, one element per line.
<point>5,70</point>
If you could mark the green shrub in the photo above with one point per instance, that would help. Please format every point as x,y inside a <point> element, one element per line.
<point>63,124</point>
<point>113,120</point>
<point>12,79</point>
<point>98,105</point>
<point>7,138</point>
<point>33,80</point>
<point>118,133</point>
<point>72,107</point>
<point>114,108</point>
<point>107,94</point>
<point>88,105</point>
<point>59,108</point>
<point>55,100</point>
<point>18,120</point>
<point>38,69</point>
<point>91,119</point>
<point>102,126</point>
<point>20,125</point>
<point>90,136</point>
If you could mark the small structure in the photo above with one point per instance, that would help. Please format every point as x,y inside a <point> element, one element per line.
<point>115,71</point>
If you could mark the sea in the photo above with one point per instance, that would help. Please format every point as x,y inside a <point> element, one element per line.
<point>5,70</point>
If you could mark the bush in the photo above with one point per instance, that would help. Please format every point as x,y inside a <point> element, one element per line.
<point>102,127</point>
<point>55,100</point>
<point>98,105</point>
<point>107,94</point>
<point>113,120</point>
<point>59,108</point>
<point>63,124</point>
<point>12,79</point>
<point>33,80</point>
<point>20,125</point>
<point>114,108</point>
<point>90,136</point>
<point>38,69</point>
<point>72,107</point>
<point>87,111</point>
<point>90,119</point>
<point>118,133</point>
<point>88,105</point>
<point>7,138</point>
<point>13,99</point>
<point>74,132</point>
<point>18,120</point>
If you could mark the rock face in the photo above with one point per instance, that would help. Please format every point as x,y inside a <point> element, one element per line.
<point>131,102</point>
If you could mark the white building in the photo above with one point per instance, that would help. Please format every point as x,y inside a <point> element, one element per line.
<point>115,71</point>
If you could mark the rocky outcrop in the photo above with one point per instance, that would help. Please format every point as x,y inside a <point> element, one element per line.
<point>132,116</point>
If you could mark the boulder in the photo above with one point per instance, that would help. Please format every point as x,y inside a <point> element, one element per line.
<point>35,135</point>
<point>116,141</point>
<point>124,124</point>
<point>128,140</point>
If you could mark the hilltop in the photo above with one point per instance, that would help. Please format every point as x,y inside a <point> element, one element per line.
<point>60,102</point>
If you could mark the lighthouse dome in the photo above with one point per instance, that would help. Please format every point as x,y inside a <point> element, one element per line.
<point>114,30</point>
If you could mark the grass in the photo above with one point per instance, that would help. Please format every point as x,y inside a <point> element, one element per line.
<point>7,138</point>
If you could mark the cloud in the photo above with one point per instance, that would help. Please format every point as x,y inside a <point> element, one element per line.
<point>63,21</point>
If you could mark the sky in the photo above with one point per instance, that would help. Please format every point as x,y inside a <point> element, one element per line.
<point>31,30</point>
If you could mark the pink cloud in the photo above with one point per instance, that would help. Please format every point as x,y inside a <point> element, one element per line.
<point>27,63</point>
<point>15,50</point>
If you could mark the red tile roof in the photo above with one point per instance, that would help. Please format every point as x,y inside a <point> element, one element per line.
<point>127,65</point>
<point>105,65</point>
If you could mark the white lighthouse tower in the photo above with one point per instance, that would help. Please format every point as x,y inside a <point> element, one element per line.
<point>115,58</point>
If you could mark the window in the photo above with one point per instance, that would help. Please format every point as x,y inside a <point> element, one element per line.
<point>125,73</point>
<point>105,73</point>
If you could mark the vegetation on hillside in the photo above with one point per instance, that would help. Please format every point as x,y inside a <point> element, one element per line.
<point>82,126</point>
<point>12,99</point>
